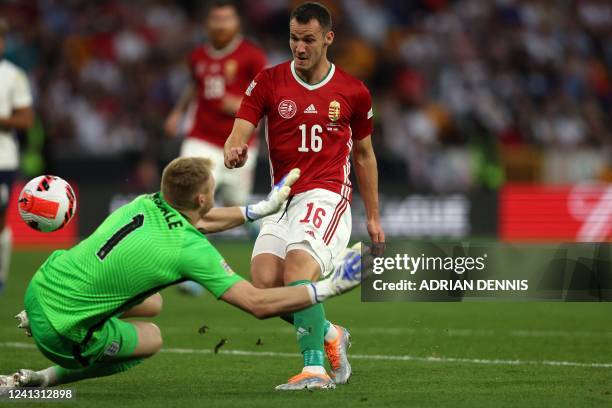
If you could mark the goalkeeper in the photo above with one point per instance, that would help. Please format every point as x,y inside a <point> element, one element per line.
<point>76,301</point>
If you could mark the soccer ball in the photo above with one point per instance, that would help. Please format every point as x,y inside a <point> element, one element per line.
<point>47,203</point>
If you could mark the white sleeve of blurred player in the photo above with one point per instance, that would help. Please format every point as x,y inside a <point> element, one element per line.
<point>21,96</point>
<point>18,96</point>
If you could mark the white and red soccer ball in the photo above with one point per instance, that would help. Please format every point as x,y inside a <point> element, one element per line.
<point>47,203</point>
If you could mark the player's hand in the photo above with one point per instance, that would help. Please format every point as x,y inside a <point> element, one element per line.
<point>279,194</point>
<point>377,235</point>
<point>236,156</point>
<point>172,124</point>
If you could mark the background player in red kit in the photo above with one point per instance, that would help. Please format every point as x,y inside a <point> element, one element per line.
<point>316,115</point>
<point>221,71</point>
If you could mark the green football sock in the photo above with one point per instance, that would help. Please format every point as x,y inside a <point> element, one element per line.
<point>310,325</point>
<point>289,319</point>
<point>99,369</point>
<point>326,327</point>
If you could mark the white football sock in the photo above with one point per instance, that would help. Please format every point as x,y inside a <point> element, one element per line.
<point>50,376</point>
<point>332,333</point>
<point>6,245</point>
<point>314,369</point>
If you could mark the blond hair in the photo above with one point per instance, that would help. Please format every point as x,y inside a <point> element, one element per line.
<point>183,179</point>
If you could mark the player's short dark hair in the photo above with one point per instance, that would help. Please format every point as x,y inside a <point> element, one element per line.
<point>312,10</point>
<point>183,179</point>
<point>4,27</point>
<point>214,4</point>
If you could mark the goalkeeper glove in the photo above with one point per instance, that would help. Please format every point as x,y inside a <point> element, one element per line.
<point>279,194</point>
<point>344,278</point>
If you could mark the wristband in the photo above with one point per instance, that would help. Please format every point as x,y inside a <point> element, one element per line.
<point>321,291</point>
<point>245,214</point>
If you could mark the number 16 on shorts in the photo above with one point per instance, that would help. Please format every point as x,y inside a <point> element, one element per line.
<point>318,217</point>
<point>315,217</point>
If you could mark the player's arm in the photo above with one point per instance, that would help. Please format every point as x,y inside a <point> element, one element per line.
<point>20,100</point>
<point>230,103</point>
<point>264,303</point>
<point>223,218</point>
<point>20,119</point>
<point>220,219</point>
<point>366,170</point>
<point>171,126</point>
<point>236,148</point>
<point>252,108</point>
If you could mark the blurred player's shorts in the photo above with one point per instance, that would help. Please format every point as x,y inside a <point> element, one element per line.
<point>7,178</point>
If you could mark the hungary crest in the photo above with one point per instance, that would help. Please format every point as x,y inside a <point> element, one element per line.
<point>334,111</point>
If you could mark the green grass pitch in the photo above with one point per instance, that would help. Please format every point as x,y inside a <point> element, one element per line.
<point>405,354</point>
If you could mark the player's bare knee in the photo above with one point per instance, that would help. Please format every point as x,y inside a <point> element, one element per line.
<point>150,307</point>
<point>263,280</point>
<point>156,304</point>
<point>300,265</point>
<point>150,339</point>
<point>267,271</point>
<point>155,339</point>
<point>159,340</point>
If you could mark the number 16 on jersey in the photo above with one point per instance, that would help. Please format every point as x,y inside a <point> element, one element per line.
<point>316,142</point>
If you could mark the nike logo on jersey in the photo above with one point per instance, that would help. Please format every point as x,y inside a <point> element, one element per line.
<point>310,109</point>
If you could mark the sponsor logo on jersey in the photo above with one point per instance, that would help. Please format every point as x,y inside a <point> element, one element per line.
<point>230,69</point>
<point>250,88</point>
<point>334,111</point>
<point>310,109</point>
<point>287,108</point>
<point>228,269</point>
<point>112,349</point>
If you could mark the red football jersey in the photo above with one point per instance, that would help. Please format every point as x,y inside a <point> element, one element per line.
<point>215,73</point>
<point>311,127</point>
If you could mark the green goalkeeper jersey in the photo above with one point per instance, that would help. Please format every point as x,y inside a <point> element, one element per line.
<point>139,249</point>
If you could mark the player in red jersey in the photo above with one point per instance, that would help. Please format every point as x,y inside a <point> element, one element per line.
<point>220,71</point>
<point>316,115</point>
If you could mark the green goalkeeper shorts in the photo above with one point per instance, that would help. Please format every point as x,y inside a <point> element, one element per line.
<point>114,340</point>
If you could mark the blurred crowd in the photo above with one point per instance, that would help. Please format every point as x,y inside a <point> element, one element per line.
<point>452,81</point>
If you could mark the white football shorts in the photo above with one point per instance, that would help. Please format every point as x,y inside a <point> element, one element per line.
<point>317,221</point>
<point>233,185</point>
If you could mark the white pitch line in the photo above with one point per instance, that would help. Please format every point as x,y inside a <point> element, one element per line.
<point>377,357</point>
<point>455,332</point>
